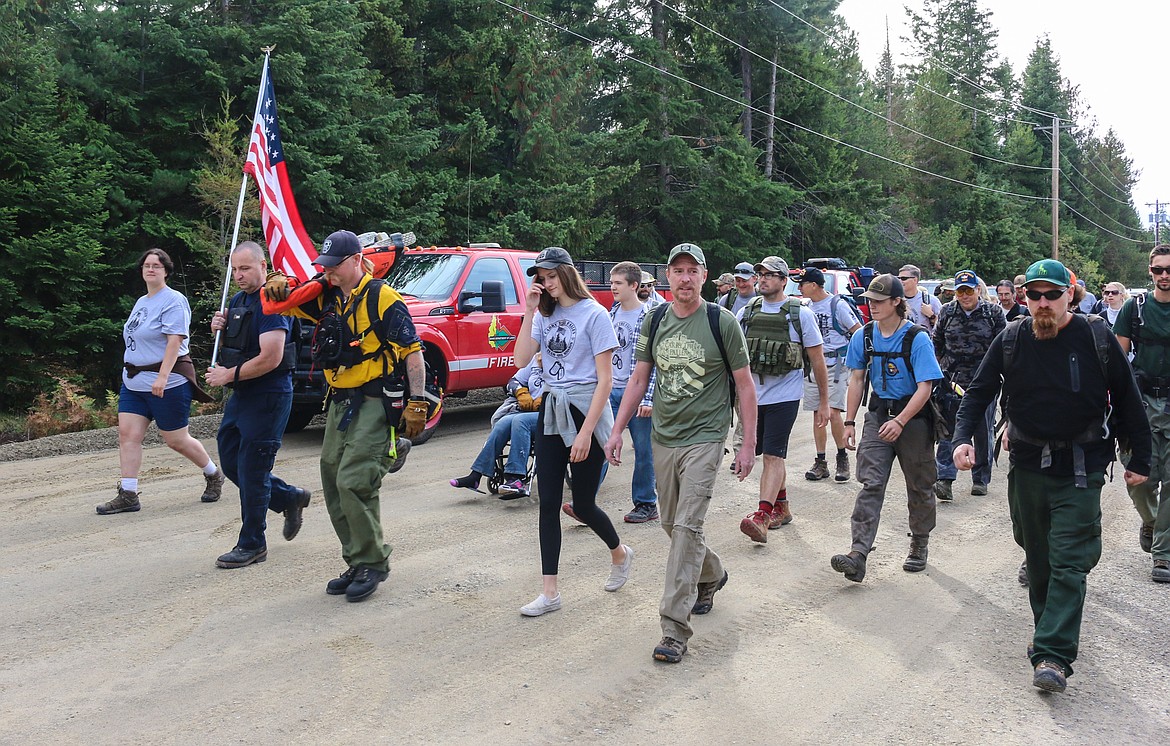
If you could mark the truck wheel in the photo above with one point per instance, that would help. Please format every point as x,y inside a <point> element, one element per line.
<point>299,418</point>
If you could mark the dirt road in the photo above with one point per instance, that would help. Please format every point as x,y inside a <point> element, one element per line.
<point>120,630</point>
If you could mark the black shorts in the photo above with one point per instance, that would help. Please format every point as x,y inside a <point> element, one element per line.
<point>773,426</point>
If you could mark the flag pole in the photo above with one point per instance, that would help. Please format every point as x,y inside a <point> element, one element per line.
<point>227,280</point>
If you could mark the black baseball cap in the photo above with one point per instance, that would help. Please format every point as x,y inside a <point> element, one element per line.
<point>337,248</point>
<point>550,258</point>
<point>812,274</point>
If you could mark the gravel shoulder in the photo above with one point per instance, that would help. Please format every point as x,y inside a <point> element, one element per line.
<point>119,629</point>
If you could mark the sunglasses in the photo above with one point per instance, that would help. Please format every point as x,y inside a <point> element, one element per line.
<point>1049,295</point>
<point>1159,270</point>
<point>1112,292</point>
<point>964,290</point>
<point>906,279</point>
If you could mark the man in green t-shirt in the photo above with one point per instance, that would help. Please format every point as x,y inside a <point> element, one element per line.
<point>692,412</point>
<point>1144,328</point>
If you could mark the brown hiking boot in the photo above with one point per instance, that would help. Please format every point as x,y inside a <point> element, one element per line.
<point>214,486</point>
<point>755,526</point>
<point>125,502</point>
<point>842,472</point>
<point>916,560</point>
<point>781,515</point>
<point>819,471</point>
<point>706,600</point>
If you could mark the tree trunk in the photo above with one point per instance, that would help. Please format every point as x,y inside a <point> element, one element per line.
<point>770,131</point>
<point>745,74</point>
<point>658,29</point>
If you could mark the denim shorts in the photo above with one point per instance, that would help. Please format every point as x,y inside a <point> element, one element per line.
<point>773,426</point>
<point>172,411</point>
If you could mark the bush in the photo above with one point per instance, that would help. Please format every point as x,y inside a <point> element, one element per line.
<point>66,409</point>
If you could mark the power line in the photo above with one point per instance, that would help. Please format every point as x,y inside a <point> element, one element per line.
<point>1103,214</point>
<point>1090,181</point>
<point>851,103</point>
<point>1082,216</point>
<point>740,103</point>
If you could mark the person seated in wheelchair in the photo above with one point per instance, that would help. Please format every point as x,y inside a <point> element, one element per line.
<point>513,422</point>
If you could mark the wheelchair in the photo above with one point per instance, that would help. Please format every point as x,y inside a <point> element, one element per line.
<point>496,480</point>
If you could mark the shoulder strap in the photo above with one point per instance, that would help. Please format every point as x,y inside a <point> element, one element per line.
<point>1011,335</point>
<point>751,309</point>
<point>1138,318</point>
<point>792,308</point>
<point>908,345</point>
<point>1101,336</point>
<point>655,321</point>
<point>713,320</point>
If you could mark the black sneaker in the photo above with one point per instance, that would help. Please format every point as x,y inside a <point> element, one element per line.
<point>365,582</point>
<point>241,557</point>
<point>943,491</point>
<point>337,586</point>
<point>851,565</point>
<point>642,513</point>
<point>1022,575</point>
<point>294,514</point>
<point>402,447</point>
<point>670,650</point>
<point>706,600</point>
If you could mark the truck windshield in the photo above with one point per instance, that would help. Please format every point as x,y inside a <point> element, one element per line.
<point>426,276</point>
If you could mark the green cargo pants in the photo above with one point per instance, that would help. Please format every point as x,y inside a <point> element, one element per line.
<point>353,463</point>
<point>1148,498</point>
<point>1059,527</point>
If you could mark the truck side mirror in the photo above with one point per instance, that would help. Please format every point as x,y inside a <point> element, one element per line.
<point>492,293</point>
<point>857,295</point>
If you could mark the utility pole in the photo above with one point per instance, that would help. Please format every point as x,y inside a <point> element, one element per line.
<point>1157,218</point>
<point>1056,125</point>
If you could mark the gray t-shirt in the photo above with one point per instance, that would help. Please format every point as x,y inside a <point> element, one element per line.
<point>914,309</point>
<point>846,320</point>
<point>145,335</point>
<point>626,325</point>
<point>569,340</point>
<point>790,386</point>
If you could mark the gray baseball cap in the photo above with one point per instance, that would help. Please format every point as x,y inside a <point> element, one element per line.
<point>688,249</point>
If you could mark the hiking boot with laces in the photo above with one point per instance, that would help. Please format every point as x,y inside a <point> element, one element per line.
<point>1161,573</point>
<point>942,491</point>
<point>1146,538</point>
<point>642,513</point>
<point>851,565</point>
<point>916,559</point>
<point>365,582</point>
<point>781,515</point>
<point>337,586</point>
<point>125,502</point>
<point>670,650</point>
<point>241,557</point>
<point>706,600</point>
<point>842,472</point>
<point>1049,676</point>
<point>294,515</point>
<point>214,486</point>
<point>755,526</point>
<point>819,471</point>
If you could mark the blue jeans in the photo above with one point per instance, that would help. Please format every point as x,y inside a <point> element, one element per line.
<point>643,488</point>
<point>984,441</point>
<point>248,439</point>
<point>516,428</point>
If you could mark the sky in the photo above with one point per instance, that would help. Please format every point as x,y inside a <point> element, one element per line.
<point>1110,50</point>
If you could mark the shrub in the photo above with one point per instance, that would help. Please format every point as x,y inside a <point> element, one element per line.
<point>66,409</point>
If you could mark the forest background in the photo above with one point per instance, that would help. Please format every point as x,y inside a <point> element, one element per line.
<point>613,128</point>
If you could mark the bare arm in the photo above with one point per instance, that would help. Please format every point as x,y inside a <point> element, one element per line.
<point>745,393</point>
<point>271,355</point>
<point>416,373</point>
<point>852,404</point>
<point>816,357</point>
<point>526,346</point>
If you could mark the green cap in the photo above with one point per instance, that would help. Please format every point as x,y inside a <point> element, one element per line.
<point>1048,270</point>
<point>689,249</point>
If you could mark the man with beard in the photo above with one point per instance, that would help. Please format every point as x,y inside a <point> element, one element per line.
<point>1006,292</point>
<point>1143,323</point>
<point>1060,378</point>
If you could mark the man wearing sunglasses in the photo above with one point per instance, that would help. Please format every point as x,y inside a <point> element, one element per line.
<point>1058,394</point>
<point>923,307</point>
<point>1143,325</point>
<point>966,327</point>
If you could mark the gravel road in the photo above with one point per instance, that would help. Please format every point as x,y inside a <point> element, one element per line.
<point>119,629</point>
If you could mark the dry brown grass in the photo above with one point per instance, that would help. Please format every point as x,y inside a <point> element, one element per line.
<point>66,409</point>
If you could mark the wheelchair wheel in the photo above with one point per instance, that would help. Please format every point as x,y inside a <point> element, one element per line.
<point>494,484</point>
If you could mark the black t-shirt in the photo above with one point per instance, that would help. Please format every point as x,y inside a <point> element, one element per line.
<point>1056,391</point>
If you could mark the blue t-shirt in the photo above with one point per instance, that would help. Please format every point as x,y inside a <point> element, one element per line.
<point>278,380</point>
<point>894,381</point>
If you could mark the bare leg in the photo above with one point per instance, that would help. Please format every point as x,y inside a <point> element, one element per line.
<point>181,441</point>
<point>131,431</point>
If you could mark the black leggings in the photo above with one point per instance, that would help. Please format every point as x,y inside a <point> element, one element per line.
<point>552,461</point>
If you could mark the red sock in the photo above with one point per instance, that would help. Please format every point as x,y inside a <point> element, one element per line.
<point>782,495</point>
<point>765,506</point>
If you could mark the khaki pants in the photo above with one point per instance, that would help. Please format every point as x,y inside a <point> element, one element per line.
<point>914,450</point>
<point>686,478</point>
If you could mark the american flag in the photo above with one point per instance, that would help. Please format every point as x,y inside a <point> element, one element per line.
<point>292,251</point>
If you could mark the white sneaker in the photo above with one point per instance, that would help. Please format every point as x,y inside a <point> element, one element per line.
<point>541,605</point>
<point>619,574</point>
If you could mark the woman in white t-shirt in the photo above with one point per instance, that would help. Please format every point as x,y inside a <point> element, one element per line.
<point>575,337</point>
<point>157,384</point>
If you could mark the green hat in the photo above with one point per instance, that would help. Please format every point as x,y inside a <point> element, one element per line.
<point>689,249</point>
<point>1048,270</point>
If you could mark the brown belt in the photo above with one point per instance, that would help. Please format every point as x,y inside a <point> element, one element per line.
<point>184,366</point>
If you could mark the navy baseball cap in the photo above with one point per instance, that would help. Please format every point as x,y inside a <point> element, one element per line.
<point>550,258</point>
<point>337,248</point>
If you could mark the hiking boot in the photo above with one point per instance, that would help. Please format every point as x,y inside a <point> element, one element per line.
<point>401,448</point>
<point>214,486</point>
<point>1145,538</point>
<point>755,526</point>
<point>125,502</point>
<point>294,515</point>
<point>916,559</point>
<point>642,513</point>
<point>364,583</point>
<point>541,605</point>
<point>1022,576</point>
<point>567,509</point>
<point>819,471</point>
<point>979,490</point>
<point>842,473</point>
<point>942,491</point>
<point>851,565</point>
<point>1161,573</point>
<point>670,650</point>
<point>1049,676</point>
<point>337,586</point>
<point>513,490</point>
<point>241,557</point>
<point>619,574</point>
<point>781,515</point>
<point>706,600</point>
